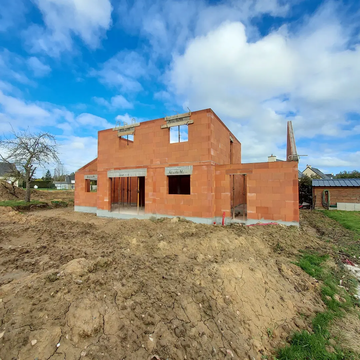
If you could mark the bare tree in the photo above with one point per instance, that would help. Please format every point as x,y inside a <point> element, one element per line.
<point>59,172</point>
<point>28,151</point>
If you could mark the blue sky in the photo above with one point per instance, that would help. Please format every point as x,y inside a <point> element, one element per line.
<point>73,69</point>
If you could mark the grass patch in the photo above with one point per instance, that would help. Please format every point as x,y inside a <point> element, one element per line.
<point>348,219</point>
<point>59,203</point>
<point>13,203</point>
<point>315,346</point>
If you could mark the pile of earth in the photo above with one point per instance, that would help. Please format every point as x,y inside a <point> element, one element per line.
<point>74,286</point>
<point>7,192</point>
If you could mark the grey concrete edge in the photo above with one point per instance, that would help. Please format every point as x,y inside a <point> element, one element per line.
<point>198,220</point>
<point>86,209</point>
<point>109,214</point>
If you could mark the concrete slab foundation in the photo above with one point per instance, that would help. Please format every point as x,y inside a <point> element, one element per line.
<point>86,209</point>
<point>198,220</point>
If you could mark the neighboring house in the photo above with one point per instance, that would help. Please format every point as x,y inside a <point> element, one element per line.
<point>68,184</point>
<point>5,170</point>
<point>314,173</point>
<point>186,165</point>
<point>343,194</point>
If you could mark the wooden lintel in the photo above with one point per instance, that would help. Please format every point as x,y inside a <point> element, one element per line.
<point>177,123</point>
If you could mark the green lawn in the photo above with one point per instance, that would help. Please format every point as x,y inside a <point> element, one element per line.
<point>18,202</point>
<point>348,219</point>
<point>313,345</point>
<point>52,189</point>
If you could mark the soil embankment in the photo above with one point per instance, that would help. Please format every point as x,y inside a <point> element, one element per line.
<point>76,286</point>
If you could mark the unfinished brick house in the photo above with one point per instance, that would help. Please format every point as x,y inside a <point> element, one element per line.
<point>186,165</point>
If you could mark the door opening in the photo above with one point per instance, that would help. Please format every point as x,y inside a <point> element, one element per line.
<point>238,196</point>
<point>128,195</point>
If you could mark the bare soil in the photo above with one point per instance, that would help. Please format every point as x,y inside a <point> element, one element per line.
<point>6,193</point>
<point>350,338</point>
<point>75,286</point>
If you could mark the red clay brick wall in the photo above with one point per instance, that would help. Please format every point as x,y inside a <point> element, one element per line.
<point>82,197</point>
<point>220,143</point>
<point>272,190</point>
<point>152,145</point>
<point>200,203</point>
<point>337,194</point>
<point>152,149</point>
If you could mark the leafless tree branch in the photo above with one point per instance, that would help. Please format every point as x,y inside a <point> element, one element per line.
<point>28,151</point>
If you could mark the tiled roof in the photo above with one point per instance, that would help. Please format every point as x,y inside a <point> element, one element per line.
<point>300,174</point>
<point>319,173</point>
<point>336,182</point>
<point>6,168</point>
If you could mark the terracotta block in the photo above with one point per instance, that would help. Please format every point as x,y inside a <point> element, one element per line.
<point>262,209</point>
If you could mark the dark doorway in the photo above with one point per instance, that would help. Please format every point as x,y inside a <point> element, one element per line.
<point>142,191</point>
<point>238,196</point>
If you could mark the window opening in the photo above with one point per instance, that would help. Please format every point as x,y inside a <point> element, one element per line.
<point>179,184</point>
<point>129,138</point>
<point>90,185</point>
<point>179,133</point>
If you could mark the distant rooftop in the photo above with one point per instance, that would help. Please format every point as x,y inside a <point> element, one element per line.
<point>336,182</point>
<point>318,172</point>
<point>6,168</point>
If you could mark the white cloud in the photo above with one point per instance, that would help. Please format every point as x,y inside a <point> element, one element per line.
<point>116,102</point>
<point>15,107</point>
<point>124,71</point>
<point>12,14</point>
<point>6,87</point>
<point>128,119</point>
<point>66,18</point>
<point>91,120</point>
<point>12,67</point>
<point>39,69</point>
<point>169,25</point>
<point>253,85</point>
<point>76,151</point>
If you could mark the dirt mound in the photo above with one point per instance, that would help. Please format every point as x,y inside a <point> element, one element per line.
<point>7,192</point>
<point>134,289</point>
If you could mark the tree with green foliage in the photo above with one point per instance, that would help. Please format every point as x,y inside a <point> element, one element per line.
<point>48,176</point>
<point>348,175</point>
<point>305,189</point>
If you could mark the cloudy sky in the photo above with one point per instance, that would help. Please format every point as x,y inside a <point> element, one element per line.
<point>72,67</point>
